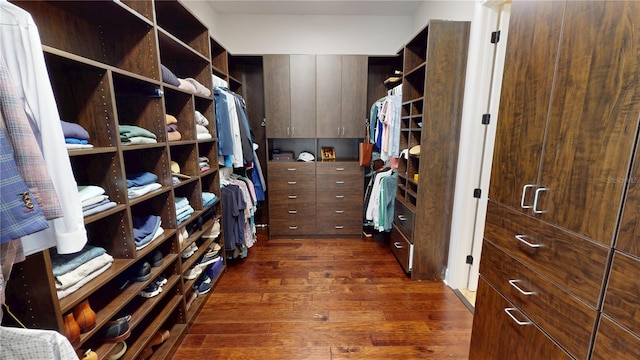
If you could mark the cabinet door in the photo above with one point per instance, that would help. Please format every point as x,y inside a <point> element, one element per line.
<point>629,236</point>
<point>277,98</point>
<point>534,33</point>
<point>329,96</point>
<point>303,96</point>
<point>354,96</point>
<point>593,118</point>
<point>497,336</point>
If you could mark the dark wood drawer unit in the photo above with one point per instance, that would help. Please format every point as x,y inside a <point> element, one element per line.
<point>285,170</point>
<point>401,248</point>
<point>403,219</point>
<point>565,318</point>
<point>339,193</point>
<point>622,296</point>
<point>292,227</point>
<point>572,262</point>
<point>615,342</point>
<point>292,198</point>
<point>340,168</point>
<point>501,331</point>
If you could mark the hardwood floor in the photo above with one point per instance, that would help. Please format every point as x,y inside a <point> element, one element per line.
<point>326,299</point>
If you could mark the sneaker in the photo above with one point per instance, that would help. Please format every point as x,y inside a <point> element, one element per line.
<point>192,273</point>
<point>203,285</point>
<point>209,257</point>
<point>189,251</point>
<point>214,232</point>
<point>151,290</point>
<point>161,281</point>
<point>156,258</point>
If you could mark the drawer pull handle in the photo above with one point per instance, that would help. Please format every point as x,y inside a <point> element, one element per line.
<point>522,239</point>
<point>402,217</point>
<point>339,196</point>
<point>292,196</point>
<point>524,194</point>
<point>521,323</point>
<point>339,211</point>
<point>292,182</point>
<point>398,245</point>
<point>535,201</point>
<point>339,169</point>
<point>291,169</point>
<point>293,228</point>
<point>339,182</point>
<point>523,292</point>
<point>339,227</point>
<point>293,211</point>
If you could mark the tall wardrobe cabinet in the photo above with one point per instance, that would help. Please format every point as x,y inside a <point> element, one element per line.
<point>557,269</point>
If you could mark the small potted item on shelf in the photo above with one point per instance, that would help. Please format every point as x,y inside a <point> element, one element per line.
<point>328,154</point>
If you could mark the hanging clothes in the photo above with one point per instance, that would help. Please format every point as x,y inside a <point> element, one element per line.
<point>380,199</point>
<point>21,46</point>
<point>386,124</point>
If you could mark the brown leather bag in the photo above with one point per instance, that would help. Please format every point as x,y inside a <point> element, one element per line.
<point>366,148</point>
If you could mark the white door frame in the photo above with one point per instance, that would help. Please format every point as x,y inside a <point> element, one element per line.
<point>483,82</point>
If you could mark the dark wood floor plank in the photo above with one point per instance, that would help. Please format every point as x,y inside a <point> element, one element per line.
<point>326,299</point>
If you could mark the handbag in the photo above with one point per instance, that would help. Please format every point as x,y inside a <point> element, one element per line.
<point>366,148</point>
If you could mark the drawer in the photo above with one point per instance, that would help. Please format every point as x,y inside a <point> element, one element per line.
<point>614,342</point>
<point>622,297</point>
<point>563,316</point>
<point>292,227</point>
<point>574,263</point>
<point>301,211</point>
<point>497,335</point>
<point>293,183</point>
<point>401,248</point>
<point>340,198</point>
<point>339,168</point>
<point>346,210</point>
<point>341,182</point>
<point>293,168</point>
<point>291,197</point>
<point>338,226</point>
<point>403,219</point>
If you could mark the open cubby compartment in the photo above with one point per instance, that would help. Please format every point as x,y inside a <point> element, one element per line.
<point>192,193</point>
<point>415,52</point>
<point>404,139</point>
<point>413,84</point>
<point>183,62</point>
<point>181,106</point>
<point>344,149</point>
<point>142,7</point>
<point>103,170</point>
<point>401,190</point>
<point>211,184</point>
<point>207,107</point>
<point>406,110</point>
<point>186,155</point>
<point>154,160</point>
<point>173,17</point>
<point>235,85</point>
<point>112,33</point>
<point>139,103</point>
<point>293,145</point>
<point>405,122</point>
<point>219,59</point>
<point>402,166</point>
<point>411,199</point>
<point>161,205</point>
<point>413,167</point>
<point>83,97</point>
<point>210,151</point>
<point>414,137</point>
<point>113,233</point>
<point>416,123</point>
<point>236,67</point>
<point>417,107</point>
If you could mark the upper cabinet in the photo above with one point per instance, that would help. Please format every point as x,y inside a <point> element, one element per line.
<point>341,95</point>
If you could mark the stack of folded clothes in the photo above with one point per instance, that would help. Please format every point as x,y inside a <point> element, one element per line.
<point>203,164</point>
<point>208,198</point>
<point>141,183</point>
<point>72,271</point>
<point>172,128</point>
<point>75,136</point>
<point>189,85</point>
<point>202,133</point>
<point>183,209</point>
<point>94,200</point>
<point>135,135</point>
<point>146,229</point>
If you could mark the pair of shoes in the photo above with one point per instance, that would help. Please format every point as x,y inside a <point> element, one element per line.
<point>192,273</point>
<point>141,272</point>
<point>183,236</point>
<point>154,288</point>
<point>84,316</point>
<point>71,329</point>
<point>156,258</point>
<point>214,232</point>
<point>209,257</point>
<point>203,285</point>
<point>158,338</point>
<point>189,251</point>
<point>116,330</point>
<point>118,351</point>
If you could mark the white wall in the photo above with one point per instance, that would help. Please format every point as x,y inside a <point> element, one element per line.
<point>250,34</point>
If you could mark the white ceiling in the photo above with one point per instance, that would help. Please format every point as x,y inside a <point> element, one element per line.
<point>317,7</point>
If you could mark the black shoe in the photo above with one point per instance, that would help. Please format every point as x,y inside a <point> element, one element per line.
<point>156,258</point>
<point>151,290</point>
<point>116,330</point>
<point>141,272</point>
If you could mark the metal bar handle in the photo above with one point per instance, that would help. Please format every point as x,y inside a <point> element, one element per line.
<point>293,211</point>
<point>292,182</point>
<point>535,201</point>
<point>293,228</point>
<point>339,169</point>
<point>293,196</point>
<point>292,169</point>
<point>339,196</point>
<point>402,217</point>
<point>339,211</point>
<point>524,194</point>
<point>513,283</point>
<point>288,131</point>
<point>522,239</point>
<point>398,245</point>
<point>339,182</point>
<point>521,323</point>
<point>339,227</point>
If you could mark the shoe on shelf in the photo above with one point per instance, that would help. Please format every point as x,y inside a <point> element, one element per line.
<point>141,272</point>
<point>192,298</point>
<point>161,281</point>
<point>214,232</point>
<point>116,330</point>
<point>151,290</point>
<point>209,257</point>
<point>159,337</point>
<point>118,351</point>
<point>189,251</point>
<point>192,273</point>
<point>183,236</point>
<point>203,285</point>
<point>90,355</point>
<point>71,329</point>
<point>156,258</point>
<point>84,316</point>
